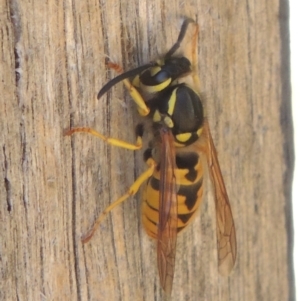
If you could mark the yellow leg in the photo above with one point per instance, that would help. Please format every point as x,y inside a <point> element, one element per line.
<point>134,93</point>
<point>131,191</point>
<point>194,54</point>
<point>109,140</point>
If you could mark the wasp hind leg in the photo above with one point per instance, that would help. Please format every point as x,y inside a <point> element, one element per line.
<point>134,93</point>
<point>130,192</point>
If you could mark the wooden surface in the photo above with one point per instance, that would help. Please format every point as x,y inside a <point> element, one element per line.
<point>52,56</point>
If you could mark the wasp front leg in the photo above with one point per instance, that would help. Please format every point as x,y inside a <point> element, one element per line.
<point>134,93</point>
<point>112,141</point>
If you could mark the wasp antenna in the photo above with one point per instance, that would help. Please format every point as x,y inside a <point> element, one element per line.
<point>182,33</point>
<point>123,76</point>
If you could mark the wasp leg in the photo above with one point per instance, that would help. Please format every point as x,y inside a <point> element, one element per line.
<point>131,191</point>
<point>194,57</point>
<point>134,93</point>
<point>112,141</point>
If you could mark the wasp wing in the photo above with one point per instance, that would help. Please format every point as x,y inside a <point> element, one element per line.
<point>226,237</point>
<point>167,227</point>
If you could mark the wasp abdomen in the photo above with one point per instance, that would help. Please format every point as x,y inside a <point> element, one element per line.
<point>189,178</point>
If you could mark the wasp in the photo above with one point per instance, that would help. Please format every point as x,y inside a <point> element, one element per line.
<point>166,92</point>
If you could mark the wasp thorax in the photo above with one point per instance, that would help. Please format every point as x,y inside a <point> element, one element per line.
<point>180,109</point>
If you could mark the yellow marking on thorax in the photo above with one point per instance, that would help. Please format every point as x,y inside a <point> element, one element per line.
<point>199,132</point>
<point>168,122</point>
<point>156,116</point>
<point>183,137</point>
<point>171,102</point>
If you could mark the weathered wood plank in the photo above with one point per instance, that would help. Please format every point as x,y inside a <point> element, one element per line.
<point>53,186</point>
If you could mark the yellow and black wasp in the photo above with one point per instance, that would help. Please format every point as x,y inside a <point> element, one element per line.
<point>181,146</point>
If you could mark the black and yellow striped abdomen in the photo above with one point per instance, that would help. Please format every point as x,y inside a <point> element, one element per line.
<point>189,177</point>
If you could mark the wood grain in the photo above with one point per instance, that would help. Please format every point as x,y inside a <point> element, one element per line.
<point>52,58</point>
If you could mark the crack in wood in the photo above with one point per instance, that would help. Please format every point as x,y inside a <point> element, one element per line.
<point>17,30</point>
<point>7,184</point>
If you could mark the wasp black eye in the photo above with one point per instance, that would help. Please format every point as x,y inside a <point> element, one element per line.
<point>162,76</point>
<point>177,66</point>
